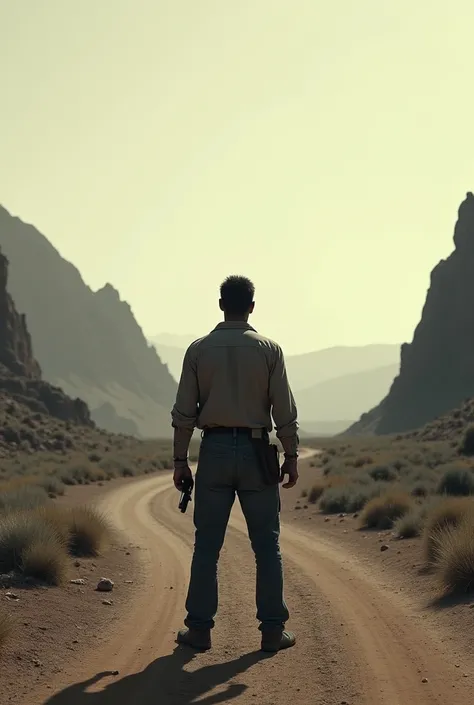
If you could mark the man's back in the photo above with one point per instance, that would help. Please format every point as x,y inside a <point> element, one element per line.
<point>239,375</point>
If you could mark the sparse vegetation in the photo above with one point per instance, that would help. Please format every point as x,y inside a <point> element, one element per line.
<point>89,531</point>
<point>456,481</point>
<point>467,444</point>
<point>409,525</point>
<point>46,560</point>
<point>444,515</point>
<point>315,492</point>
<point>455,557</point>
<point>381,512</point>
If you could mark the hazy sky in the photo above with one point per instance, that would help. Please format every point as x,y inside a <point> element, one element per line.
<point>322,148</point>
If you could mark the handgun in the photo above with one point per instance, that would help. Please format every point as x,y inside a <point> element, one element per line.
<point>185,498</point>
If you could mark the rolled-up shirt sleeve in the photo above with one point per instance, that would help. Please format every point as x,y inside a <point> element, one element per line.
<point>185,411</point>
<point>284,410</point>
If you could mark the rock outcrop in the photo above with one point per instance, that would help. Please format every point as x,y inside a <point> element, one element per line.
<point>86,342</point>
<point>16,352</point>
<point>437,368</point>
<point>20,374</point>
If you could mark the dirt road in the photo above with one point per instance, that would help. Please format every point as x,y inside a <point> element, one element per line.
<point>358,642</point>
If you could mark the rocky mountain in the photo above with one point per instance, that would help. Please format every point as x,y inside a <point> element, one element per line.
<point>86,342</point>
<point>20,373</point>
<point>437,367</point>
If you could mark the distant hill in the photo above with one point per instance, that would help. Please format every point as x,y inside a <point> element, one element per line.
<point>309,369</point>
<point>88,343</point>
<point>437,367</point>
<point>345,397</point>
<point>321,429</point>
<point>171,356</point>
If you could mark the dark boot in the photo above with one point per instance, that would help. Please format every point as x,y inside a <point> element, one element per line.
<point>197,639</point>
<point>276,640</point>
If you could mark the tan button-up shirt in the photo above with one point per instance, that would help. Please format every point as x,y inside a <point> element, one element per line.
<point>235,377</point>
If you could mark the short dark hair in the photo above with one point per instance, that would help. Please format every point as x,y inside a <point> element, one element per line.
<point>237,294</point>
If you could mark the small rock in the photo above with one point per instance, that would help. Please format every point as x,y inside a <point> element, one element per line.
<point>327,519</point>
<point>424,680</point>
<point>78,581</point>
<point>107,602</point>
<point>115,673</point>
<point>355,516</point>
<point>129,582</point>
<point>384,547</point>
<point>77,564</point>
<point>37,663</point>
<point>12,596</point>
<point>341,515</point>
<point>127,553</point>
<point>105,585</point>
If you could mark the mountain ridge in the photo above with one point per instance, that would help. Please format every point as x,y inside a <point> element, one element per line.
<point>87,342</point>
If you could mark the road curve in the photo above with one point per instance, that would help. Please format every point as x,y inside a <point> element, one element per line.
<point>358,643</point>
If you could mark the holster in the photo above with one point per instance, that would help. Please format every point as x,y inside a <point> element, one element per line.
<point>268,460</point>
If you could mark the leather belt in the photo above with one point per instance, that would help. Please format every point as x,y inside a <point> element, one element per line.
<point>232,430</point>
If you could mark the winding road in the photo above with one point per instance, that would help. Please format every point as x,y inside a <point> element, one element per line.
<point>358,643</point>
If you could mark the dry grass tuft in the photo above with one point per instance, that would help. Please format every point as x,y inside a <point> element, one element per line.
<point>46,560</point>
<point>381,512</point>
<point>24,536</point>
<point>315,492</point>
<point>445,515</point>
<point>410,525</point>
<point>89,531</point>
<point>455,557</point>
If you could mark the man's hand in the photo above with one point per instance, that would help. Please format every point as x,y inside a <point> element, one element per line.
<point>290,468</point>
<point>182,472</point>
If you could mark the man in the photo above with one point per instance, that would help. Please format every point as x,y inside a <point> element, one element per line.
<point>232,382</point>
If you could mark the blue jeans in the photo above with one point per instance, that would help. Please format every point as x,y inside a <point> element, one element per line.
<point>228,465</point>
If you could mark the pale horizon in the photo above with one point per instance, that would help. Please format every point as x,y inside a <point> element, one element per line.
<point>320,149</point>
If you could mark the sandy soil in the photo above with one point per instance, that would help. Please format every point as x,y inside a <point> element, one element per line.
<point>359,640</point>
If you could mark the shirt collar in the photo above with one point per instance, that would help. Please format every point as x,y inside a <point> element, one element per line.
<point>236,325</point>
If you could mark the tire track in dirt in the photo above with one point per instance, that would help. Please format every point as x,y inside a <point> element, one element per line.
<point>357,642</point>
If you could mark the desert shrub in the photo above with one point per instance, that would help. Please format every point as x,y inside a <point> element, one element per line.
<point>52,486</point>
<point>467,443</point>
<point>456,481</point>
<point>45,560</point>
<point>455,556</point>
<point>409,525</point>
<point>362,460</point>
<point>84,530</point>
<point>6,627</point>
<point>89,531</point>
<point>22,496</point>
<point>348,497</point>
<point>381,512</point>
<point>383,473</point>
<point>315,492</point>
<point>80,474</point>
<point>19,531</point>
<point>127,471</point>
<point>443,515</point>
<point>95,458</point>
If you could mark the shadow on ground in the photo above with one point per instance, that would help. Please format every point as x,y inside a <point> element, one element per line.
<point>164,681</point>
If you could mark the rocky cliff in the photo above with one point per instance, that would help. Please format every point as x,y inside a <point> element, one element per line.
<point>20,374</point>
<point>89,343</point>
<point>437,368</point>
